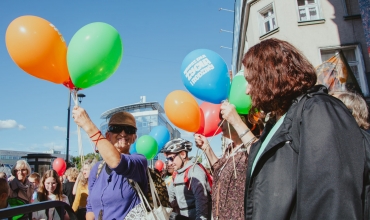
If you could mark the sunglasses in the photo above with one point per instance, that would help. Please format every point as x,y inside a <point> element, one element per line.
<point>119,128</point>
<point>171,158</point>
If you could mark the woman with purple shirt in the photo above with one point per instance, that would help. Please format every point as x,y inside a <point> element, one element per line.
<point>110,193</point>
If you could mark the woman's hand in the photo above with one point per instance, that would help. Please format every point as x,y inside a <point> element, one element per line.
<point>229,113</point>
<point>83,120</point>
<point>201,142</point>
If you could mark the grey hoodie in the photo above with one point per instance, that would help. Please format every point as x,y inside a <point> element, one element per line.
<point>195,203</point>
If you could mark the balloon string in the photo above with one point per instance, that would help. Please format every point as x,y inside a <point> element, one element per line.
<point>79,137</point>
<point>197,156</point>
<point>91,143</point>
<point>228,125</point>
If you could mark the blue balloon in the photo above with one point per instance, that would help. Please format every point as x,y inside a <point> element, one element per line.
<point>205,75</point>
<point>161,135</point>
<point>133,148</point>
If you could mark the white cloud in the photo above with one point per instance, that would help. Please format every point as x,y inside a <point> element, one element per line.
<point>8,124</point>
<point>45,127</point>
<point>21,127</point>
<point>64,129</point>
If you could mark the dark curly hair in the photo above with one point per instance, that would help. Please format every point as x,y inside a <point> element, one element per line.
<point>277,73</point>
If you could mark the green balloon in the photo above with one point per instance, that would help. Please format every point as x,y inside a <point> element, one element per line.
<point>147,146</point>
<point>94,54</point>
<point>237,96</point>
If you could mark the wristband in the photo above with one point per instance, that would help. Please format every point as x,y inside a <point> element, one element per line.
<point>244,133</point>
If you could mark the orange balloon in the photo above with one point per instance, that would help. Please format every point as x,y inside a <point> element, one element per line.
<point>182,110</point>
<point>38,48</point>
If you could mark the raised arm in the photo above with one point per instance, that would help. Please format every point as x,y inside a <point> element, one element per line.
<point>230,115</point>
<point>108,152</point>
<point>202,143</point>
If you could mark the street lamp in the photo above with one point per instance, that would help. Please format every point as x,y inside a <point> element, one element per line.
<point>80,96</point>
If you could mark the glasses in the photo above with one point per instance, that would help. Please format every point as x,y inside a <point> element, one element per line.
<point>119,128</point>
<point>22,170</point>
<point>171,158</point>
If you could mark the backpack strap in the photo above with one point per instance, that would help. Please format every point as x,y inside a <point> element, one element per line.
<point>209,177</point>
<point>186,177</point>
<point>174,174</point>
<point>187,180</point>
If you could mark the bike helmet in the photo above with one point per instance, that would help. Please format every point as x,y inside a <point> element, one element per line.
<point>177,145</point>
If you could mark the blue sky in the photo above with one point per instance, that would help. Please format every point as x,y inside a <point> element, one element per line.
<point>157,35</point>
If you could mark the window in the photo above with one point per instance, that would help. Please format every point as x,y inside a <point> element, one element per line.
<point>355,61</point>
<point>267,19</point>
<point>308,10</point>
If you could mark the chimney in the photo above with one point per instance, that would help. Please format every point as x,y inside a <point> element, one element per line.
<point>142,99</point>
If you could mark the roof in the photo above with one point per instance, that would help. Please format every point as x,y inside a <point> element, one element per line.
<point>153,105</point>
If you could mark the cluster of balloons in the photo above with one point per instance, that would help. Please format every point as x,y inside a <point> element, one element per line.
<point>205,75</point>
<point>38,48</point>
<point>60,166</point>
<point>150,145</point>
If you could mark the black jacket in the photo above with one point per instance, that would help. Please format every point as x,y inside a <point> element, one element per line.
<point>321,179</point>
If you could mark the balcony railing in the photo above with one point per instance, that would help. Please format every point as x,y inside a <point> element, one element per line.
<point>59,206</point>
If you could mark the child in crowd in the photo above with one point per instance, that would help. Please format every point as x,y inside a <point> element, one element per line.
<point>34,179</point>
<point>50,189</point>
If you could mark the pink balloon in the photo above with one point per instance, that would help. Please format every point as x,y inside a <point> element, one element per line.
<point>209,119</point>
<point>60,166</point>
<point>159,165</point>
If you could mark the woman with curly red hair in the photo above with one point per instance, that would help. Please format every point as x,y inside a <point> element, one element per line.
<point>312,171</point>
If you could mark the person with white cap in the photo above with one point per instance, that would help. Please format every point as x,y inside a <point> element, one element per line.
<point>190,190</point>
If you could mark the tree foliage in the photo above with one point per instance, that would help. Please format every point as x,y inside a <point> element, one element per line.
<point>90,156</point>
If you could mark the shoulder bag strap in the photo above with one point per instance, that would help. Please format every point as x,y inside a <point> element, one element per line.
<point>153,191</point>
<point>141,195</point>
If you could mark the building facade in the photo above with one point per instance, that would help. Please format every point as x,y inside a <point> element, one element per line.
<point>318,28</point>
<point>147,116</point>
<point>11,157</point>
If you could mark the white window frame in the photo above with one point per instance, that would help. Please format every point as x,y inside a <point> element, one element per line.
<point>263,20</point>
<point>307,9</point>
<point>359,63</point>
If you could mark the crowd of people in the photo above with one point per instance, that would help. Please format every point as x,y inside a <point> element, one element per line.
<point>298,154</point>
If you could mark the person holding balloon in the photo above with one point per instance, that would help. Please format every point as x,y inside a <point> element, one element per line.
<point>50,189</point>
<point>110,193</point>
<point>229,170</point>
<point>310,156</point>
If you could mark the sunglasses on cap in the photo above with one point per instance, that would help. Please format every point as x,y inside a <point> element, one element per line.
<point>119,128</point>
